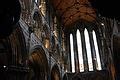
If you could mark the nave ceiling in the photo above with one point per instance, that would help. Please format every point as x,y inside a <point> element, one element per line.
<point>71,11</point>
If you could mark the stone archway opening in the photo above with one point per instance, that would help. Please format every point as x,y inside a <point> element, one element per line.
<point>55,74</point>
<point>13,56</point>
<point>38,65</point>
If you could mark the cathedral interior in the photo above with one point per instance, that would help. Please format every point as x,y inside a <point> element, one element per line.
<point>59,40</point>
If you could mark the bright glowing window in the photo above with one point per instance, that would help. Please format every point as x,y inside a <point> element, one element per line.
<point>72,53</point>
<point>98,65</point>
<point>89,54</point>
<point>88,48</point>
<point>80,56</point>
<point>36,1</point>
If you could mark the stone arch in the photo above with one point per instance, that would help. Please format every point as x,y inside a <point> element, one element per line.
<point>13,48</point>
<point>18,47</point>
<point>38,64</point>
<point>13,55</point>
<point>55,73</point>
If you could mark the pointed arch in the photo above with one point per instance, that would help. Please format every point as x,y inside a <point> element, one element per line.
<point>72,53</point>
<point>88,49</point>
<point>80,55</point>
<point>55,73</point>
<point>38,63</point>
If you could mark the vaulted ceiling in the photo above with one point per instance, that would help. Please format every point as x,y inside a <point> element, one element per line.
<point>71,11</point>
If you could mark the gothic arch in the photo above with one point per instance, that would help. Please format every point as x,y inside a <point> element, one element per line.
<point>14,47</point>
<point>13,55</point>
<point>55,73</point>
<point>18,47</point>
<point>38,64</point>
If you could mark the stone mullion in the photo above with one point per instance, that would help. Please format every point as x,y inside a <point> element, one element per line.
<point>101,48</point>
<point>93,53</point>
<point>76,52</point>
<point>67,47</point>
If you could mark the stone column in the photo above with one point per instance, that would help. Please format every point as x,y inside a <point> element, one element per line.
<point>76,52</point>
<point>93,52</point>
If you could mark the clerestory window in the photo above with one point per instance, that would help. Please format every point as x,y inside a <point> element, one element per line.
<point>72,53</point>
<point>90,46</point>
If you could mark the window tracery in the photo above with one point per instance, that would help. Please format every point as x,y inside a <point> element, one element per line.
<point>87,53</point>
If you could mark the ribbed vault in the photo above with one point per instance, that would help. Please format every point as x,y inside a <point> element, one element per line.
<point>70,11</point>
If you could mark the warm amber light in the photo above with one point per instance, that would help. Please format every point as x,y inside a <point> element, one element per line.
<point>46,43</point>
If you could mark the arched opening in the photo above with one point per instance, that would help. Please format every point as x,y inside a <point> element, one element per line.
<point>13,49</point>
<point>18,47</point>
<point>55,74</point>
<point>38,65</point>
<point>85,51</point>
<point>13,55</point>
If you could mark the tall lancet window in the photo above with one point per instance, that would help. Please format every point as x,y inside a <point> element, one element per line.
<point>80,56</point>
<point>88,49</point>
<point>72,53</point>
<point>98,65</point>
